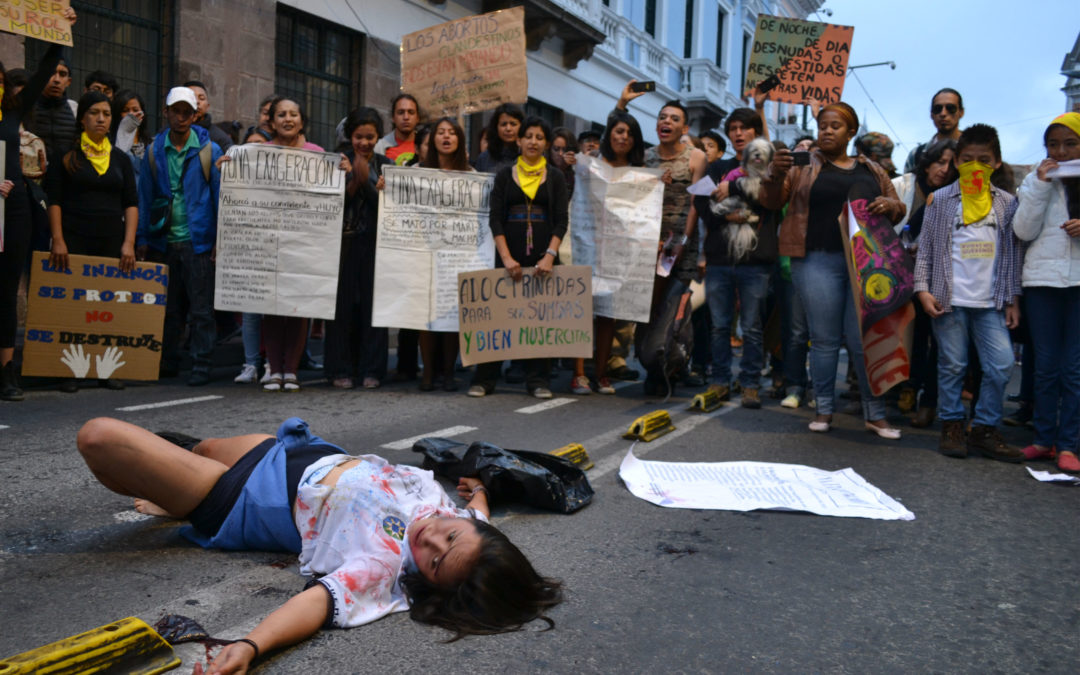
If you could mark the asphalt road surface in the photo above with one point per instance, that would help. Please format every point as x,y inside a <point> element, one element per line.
<point>984,580</point>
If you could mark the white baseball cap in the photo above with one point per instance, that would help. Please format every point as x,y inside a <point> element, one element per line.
<point>181,95</point>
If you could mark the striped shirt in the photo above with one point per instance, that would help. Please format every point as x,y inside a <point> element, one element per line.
<point>934,264</point>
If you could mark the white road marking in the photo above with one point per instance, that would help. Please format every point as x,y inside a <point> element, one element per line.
<point>546,405</point>
<point>167,404</point>
<point>4,426</point>
<point>406,443</point>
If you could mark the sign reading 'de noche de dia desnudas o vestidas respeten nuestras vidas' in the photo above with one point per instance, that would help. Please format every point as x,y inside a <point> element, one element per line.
<point>279,231</point>
<point>467,65</point>
<point>809,58</point>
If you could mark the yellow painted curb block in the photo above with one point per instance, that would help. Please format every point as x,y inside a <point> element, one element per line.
<point>126,646</point>
<point>706,401</point>
<point>649,427</point>
<point>575,452</point>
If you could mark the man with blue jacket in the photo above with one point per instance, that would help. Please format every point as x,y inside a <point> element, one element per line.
<point>178,198</point>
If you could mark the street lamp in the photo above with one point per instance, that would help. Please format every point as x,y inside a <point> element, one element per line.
<point>890,64</point>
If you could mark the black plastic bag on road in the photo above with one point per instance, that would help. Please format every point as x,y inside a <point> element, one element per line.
<point>534,478</point>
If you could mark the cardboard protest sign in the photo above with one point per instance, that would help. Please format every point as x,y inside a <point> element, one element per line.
<point>883,283</point>
<point>94,321</point>
<point>467,65</point>
<point>40,19</point>
<point>616,215</point>
<point>810,58</point>
<point>279,231</point>
<point>432,225</point>
<point>536,317</point>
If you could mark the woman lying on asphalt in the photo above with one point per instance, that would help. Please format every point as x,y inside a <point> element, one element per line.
<point>379,538</point>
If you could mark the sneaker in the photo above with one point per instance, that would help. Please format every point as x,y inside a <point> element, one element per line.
<point>923,418</point>
<point>722,390</point>
<point>289,383</point>
<point>694,378</point>
<point>541,392</point>
<point>1067,461</point>
<point>750,398</point>
<point>987,441</point>
<point>371,383</point>
<point>625,373</point>
<point>266,374</point>
<point>9,383</point>
<point>603,386</point>
<point>273,382</point>
<point>952,439</point>
<point>1033,452</point>
<point>198,378</point>
<point>791,401</point>
<point>906,402</point>
<point>247,375</point>
<point>1021,418</point>
<point>580,386</point>
<point>477,391</point>
<point>343,383</point>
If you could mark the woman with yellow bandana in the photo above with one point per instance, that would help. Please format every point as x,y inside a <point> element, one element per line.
<point>1049,218</point>
<point>529,215</point>
<point>93,203</point>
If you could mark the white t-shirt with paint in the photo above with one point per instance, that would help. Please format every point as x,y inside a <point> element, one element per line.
<point>974,248</point>
<point>354,532</point>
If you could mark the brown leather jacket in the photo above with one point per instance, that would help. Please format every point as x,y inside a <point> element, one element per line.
<point>795,188</point>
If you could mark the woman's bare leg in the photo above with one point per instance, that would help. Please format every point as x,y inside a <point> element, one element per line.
<point>130,460</point>
<point>228,451</point>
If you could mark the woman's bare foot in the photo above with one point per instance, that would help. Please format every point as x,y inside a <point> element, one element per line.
<point>149,508</point>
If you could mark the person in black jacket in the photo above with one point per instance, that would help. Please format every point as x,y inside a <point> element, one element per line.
<point>748,275</point>
<point>93,202</point>
<point>203,119</point>
<point>354,348</point>
<point>17,229</point>
<point>529,216</point>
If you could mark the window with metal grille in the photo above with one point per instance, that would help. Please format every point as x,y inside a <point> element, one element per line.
<point>318,65</point>
<point>650,17</point>
<point>720,38</point>
<point>688,32</point>
<point>126,38</point>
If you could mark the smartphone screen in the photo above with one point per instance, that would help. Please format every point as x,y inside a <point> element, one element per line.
<point>800,158</point>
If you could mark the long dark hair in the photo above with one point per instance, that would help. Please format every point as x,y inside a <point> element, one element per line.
<point>636,156</point>
<point>501,593</point>
<point>299,106</point>
<point>359,117</point>
<point>90,98</point>
<point>119,102</point>
<point>8,101</point>
<point>931,154</point>
<point>461,158</point>
<point>496,147</point>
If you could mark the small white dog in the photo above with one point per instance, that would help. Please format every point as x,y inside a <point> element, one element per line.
<point>746,192</point>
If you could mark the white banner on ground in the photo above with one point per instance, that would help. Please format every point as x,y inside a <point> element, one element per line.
<point>279,231</point>
<point>748,486</point>
<point>616,230</point>
<point>432,225</point>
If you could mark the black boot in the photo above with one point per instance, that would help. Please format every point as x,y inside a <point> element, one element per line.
<point>9,383</point>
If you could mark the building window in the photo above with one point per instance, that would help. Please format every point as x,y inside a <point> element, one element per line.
<point>650,17</point>
<point>720,16</point>
<point>537,108</point>
<point>126,39</point>
<point>318,65</point>
<point>688,33</point>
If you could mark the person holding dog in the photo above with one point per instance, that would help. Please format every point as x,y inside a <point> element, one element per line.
<point>810,234</point>
<point>740,251</point>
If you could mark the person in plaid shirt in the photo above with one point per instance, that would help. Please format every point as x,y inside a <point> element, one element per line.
<point>967,278</point>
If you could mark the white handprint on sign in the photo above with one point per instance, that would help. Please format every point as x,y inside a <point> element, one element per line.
<point>76,360</point>
<point>108,364</point>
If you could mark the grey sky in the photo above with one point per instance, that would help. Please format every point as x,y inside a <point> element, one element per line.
<point>1003,57</point>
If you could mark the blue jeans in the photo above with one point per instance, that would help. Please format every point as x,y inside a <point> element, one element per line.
<point>752,283</point>
<point>189,300</point>
<point>1054,323</point>
<point>251,336</point>
<point>986,328</point>
<point>821,280</point>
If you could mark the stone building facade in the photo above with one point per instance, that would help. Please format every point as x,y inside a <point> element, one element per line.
<point>336,54</point>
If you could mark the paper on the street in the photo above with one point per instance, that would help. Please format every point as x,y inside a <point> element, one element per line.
<point>1069,169</point>
<point>748,486</point>
<point>1047,477</point>
<point>702,188</point>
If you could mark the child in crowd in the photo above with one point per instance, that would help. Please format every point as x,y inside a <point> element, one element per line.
<point>967,278</point>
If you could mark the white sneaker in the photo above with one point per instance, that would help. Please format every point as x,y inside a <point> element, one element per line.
<point>541,392</point>
<point>248,375</point>
<point>791,401</point>
<point>266,374</point>
<point>290,384</point>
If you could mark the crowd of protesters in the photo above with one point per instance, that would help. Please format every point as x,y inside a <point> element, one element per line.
<point>995,265</point>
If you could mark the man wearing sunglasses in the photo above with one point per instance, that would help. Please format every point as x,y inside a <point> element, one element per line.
<point>946,109</point>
